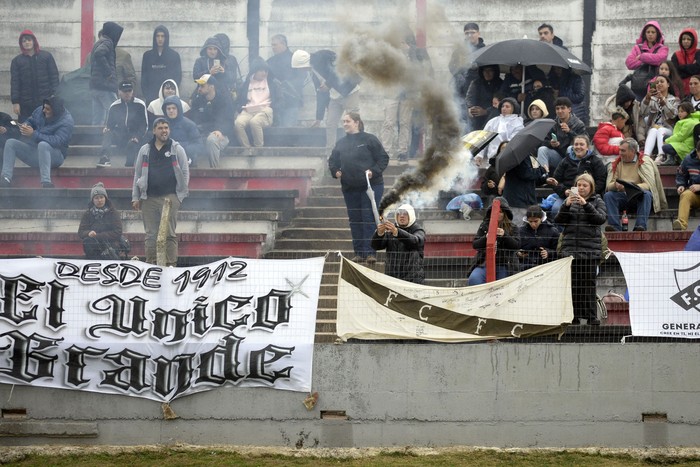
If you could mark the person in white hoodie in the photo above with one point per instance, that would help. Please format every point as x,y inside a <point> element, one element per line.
<point>507,125</point>
<point>155,107</point>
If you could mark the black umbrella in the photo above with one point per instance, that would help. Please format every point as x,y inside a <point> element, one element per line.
<point>523,144</point>
<point>528,52</point>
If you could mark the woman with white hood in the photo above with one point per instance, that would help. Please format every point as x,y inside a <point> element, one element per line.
<point>507,125</point>
<point>167,89</point>
<point>404,241</point>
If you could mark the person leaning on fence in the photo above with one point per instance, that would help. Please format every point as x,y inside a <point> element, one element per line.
<point>101,226</point>
<point>581,215</point>
<point>403,241</point>
<point>507,245</point>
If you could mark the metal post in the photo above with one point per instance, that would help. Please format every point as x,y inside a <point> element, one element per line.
<point>491,241</point>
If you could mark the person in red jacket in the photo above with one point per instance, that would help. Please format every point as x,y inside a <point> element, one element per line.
<point>609,136</point>
<point>687,58</point>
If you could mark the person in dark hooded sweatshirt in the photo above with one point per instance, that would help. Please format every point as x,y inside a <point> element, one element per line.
<point>44,143</point>
<point>101,226</point>
<point>507,245</point>
<point>214,61</point>
<point>103,71</point>
<point>33,76</point>
<point>256,102</point>
<point>625,103</point>
<point>480,96</point>
<point>158,64</point>
<point>182,129</point>
<point>404,241</point>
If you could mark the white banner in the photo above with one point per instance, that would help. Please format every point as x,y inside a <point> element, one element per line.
<point>127,327</point>
<point>664,290</point>
<point>372,305</point>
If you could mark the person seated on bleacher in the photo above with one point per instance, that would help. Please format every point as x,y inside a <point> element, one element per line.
<point>566,127</point>
<point>681,142</point>
<point>635,168</point>
<point>608,137</point>
<point>659,109</point>
<point>668,70</point>
<point>648,52</point>
<point>507,245</point>
<point>542,92</point>
<point>101,226</point>
<point>694,92</point>
<point>688,187</point>
<point>256,101</point>
<point>182,129</point>
<point>155,107</point>
<point>538,239</point>
<point>403,241</point>
<point>566,83</point>
<point>507,125</point>
<point>44,142</point>
<point>536,110</point>
<point>579,159</point>
<point>125,128</point>
<point>480,96</point>
<point>513,81</point>
<point>624,102</point>
<point>213,112</point>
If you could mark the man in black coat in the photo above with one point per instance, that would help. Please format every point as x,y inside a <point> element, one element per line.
<point>213,111</point>
<point>33,76</point>
<point>103,71</point>
<point>158,64</point>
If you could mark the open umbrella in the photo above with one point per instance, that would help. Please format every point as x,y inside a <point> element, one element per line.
<point>523,144</point>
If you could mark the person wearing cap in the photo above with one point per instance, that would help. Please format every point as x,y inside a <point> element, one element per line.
<point>161,173</point>
<point>100,226</point>
<point>333,93</point>
<point>255,106</point>
<point>103,71</point>
<point>33,76</point>
<point>44,142</point>
<point>159,64</point>
<point>213,112</point>
<point>538,239</point>
<point>404,241</point>
<point>507,245</point>
<point>126,126</point>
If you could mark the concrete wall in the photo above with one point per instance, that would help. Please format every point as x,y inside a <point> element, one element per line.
<point>500,394</point>
<point>313,25</point>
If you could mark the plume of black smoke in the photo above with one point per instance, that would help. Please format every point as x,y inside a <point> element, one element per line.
<point>375,55</point>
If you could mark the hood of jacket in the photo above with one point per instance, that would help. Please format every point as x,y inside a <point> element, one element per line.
<point>687,56</point>
<point>173,100</point>
<point>514,103</point>
<point>623,94</point>
<point>28,32</point>
<point>113,31</point>
<point>225,42</point>
<point>213,42</point>
<point>496,74</point>
<point>165,31</point>
<point>505,207</point>
<point>57,105</point>
<point>160,91</point>
<point>411,214</point>
<point>539,103</point>
<point>660,37</point>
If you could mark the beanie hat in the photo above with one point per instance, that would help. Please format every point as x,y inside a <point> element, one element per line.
<point>301,59</point>
<point>98,189</point>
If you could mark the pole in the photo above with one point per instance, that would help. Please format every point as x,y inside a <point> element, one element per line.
<point>87,28</point>
<point>491,241</point>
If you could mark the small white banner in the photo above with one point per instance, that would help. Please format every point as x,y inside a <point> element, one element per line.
<point>372,305</point>
<point>127,327</point>
<point>664,290</point>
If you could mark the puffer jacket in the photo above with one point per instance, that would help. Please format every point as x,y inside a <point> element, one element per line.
<point>601,140</point>
<point>404,253</point>
<point>33,78</point>
<point>546,236</point>
<point>582,237</point>
<point>107,225</point>
<point>58,130</point>
<point>571,167</point>
<point>182,129</point>
<point>103,70</point>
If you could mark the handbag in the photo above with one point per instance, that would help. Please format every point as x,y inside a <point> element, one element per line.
<point>641,78</point>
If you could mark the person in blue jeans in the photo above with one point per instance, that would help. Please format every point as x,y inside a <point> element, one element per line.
<point>507,246</point>
<point>44,143</point>
<point>633,167</point>
<point>355,158</point>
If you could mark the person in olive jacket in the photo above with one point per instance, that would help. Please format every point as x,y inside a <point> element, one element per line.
<point>403,241</point>
<point>355,158</point>
<point>101,226</point>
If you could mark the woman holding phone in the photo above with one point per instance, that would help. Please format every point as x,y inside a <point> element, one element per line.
<point>659,109</point>
<point>581,215</point>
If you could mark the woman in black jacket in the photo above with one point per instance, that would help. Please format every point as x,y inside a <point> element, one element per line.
<point>355,158</point>
<point>100,227</point>
<point>581,215</point>
<point>404,241</point>
<point>507,245</point>
<point>538,239</point>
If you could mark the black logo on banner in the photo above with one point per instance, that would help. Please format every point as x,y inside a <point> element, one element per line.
<point>688,283</point>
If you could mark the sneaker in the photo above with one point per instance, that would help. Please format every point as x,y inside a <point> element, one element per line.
<point>610,228</point>
<point>371,259</point>
<point>403,158</point>
<point>104,161</point>
<point>677,225</point>
<point>660,159</point>
<point>4,181</point>
<point>670,160</point>
<point>639,228</point>
<point>357,259</point>
<point>47,185</point>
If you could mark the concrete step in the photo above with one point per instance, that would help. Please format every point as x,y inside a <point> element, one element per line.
<point>315,233</point>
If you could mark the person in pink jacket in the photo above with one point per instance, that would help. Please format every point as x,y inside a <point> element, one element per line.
<point>649,48</point>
